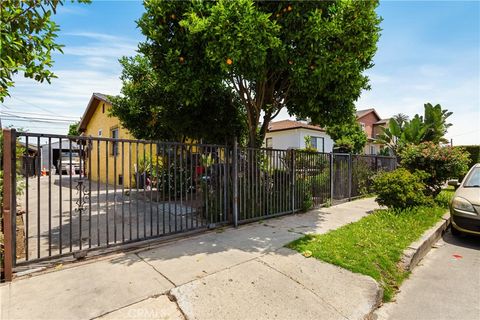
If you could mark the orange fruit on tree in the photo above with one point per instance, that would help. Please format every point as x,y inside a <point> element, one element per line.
<point>229,61</point>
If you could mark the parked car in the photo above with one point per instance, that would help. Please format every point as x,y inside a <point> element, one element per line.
<point>465,206</point>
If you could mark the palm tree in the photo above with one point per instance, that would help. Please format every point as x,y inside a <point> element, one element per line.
<point>401,118</point>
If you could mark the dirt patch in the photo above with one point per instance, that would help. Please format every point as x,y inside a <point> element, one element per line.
<point>20,235</point>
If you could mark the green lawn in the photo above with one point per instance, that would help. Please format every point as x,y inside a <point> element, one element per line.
<point>373,245</point>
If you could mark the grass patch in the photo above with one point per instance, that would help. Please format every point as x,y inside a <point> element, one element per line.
<point>374,245</point>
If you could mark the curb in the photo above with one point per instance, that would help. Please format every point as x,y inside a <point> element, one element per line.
<point>417,250</point>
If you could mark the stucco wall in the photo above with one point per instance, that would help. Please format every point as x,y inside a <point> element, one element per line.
<point>369,119</point>
<point>103,157</point>
<point>295,138</point>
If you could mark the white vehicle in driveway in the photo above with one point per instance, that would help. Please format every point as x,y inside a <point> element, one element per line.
<point>69,162</point>
<point>52,153</point>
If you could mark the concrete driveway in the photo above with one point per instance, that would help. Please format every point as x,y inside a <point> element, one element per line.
<point>112,217</point>
<point>445,285</point>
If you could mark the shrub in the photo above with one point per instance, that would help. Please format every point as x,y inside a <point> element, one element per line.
<point>362,174</point>
<point>400,189</point>
<point>474,153</point>
<point>304,186</point>
<point>441,163</point>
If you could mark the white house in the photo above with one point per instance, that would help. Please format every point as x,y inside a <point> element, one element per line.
<point>289,134</point>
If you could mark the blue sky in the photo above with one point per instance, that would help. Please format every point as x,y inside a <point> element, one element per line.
<point>428,52</point>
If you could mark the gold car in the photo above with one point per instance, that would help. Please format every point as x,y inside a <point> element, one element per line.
<point>465,206</point>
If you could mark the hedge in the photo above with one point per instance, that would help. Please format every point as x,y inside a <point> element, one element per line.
<point>474,152</point>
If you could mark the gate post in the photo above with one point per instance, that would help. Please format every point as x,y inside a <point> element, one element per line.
<point>9,205</point>
<point>331,177</point>
<point>293,173</point>
<point>349,177</point>
<point>235,182</point>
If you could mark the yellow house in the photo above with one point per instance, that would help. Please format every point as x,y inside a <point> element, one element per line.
<point>119,159</point>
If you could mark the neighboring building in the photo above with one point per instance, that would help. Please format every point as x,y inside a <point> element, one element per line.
<point>29,162</point>
<point>96,122</point>
<point>372,124</point>
<point>289,134</point>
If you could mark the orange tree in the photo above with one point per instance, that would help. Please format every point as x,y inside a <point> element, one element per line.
<point>306,57</point>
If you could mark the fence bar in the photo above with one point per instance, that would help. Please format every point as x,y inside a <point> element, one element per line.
<point>9,207</point>
<point>349,176</point>
<point>70,199</point>
<point>59,197</point>
<point>98,192</point>
<point>332,156</point>
<point>123,191</point>
<point>27,213</point>
<point>89,155</point>
<point>235,183</point>
<point>106,194</point>
<point>114,155</point>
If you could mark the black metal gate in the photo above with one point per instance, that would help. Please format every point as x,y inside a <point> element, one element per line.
<point>97,192</point>
<point>93,193</point>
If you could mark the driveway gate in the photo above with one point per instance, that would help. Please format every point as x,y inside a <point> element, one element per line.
<point>95,193</point>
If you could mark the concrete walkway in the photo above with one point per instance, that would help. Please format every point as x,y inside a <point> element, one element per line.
<point>243,273</point>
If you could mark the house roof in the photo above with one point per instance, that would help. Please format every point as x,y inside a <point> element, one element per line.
<point>90,110</point>
<point>382,121</point>
<point>363,113</point>
<point>290,125</point>
<point>30,147</point>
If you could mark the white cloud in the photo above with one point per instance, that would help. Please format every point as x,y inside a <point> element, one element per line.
<point>82,70</point>
<point>408,90</point>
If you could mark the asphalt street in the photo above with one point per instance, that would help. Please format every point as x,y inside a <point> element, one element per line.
<point>445,285</point>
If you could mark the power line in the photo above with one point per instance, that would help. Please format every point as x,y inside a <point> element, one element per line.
<point>39,114</point>
<point>34,105</point>
<point>11,118</point>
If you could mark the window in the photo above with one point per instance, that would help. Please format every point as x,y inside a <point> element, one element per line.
<point>318,143</point>
<point>373,150</point>
<point>362,125</point>
<point>99,132</point>
<point>269,143</point>
<point>114,135</point>
<point>103,107</point>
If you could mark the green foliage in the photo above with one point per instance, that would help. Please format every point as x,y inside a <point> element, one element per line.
<point>362,175</point>
<point>400,189</point>
<point>445,197</point>
<point>308,57</point>
<point>349,137</point>
<point>149,110</point>
<point>308,144</point>
<point>441,163</point>
<point>431,127</point>
<point>373,245</point>
<point>305,185</point>
<point>27,40</point>
<point>73,129</point>
<point>474,153</point>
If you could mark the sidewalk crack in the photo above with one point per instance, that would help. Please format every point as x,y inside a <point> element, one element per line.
<point>303,286</point>
<point>156,270</point>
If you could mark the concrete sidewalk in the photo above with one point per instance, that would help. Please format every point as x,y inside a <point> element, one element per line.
<point>242,273</point>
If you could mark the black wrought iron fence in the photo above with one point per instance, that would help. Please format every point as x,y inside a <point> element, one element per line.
<point>96,192</point>
<point>85,193</point>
